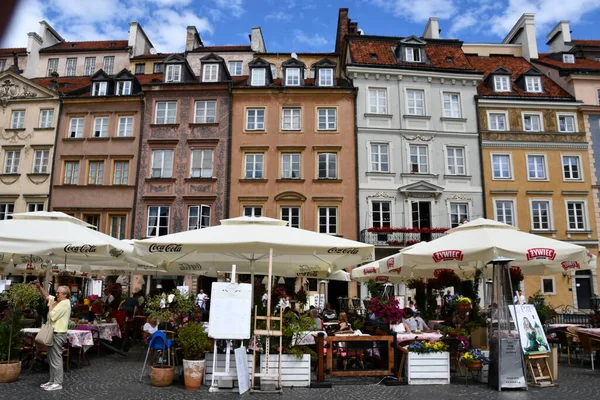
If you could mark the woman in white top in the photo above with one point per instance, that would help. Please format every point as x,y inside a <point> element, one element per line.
<point>149,328</point>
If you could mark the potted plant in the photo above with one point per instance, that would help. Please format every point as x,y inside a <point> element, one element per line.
<point>474,359</point>
<point>195,342</point>
<point>463,304</point>
<point>431,357</point>
<point>18,298</point>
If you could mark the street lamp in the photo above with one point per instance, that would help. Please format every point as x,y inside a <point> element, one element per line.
<point>595,303</point>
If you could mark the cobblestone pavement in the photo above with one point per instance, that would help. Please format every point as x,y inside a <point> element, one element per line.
<point>115,377</point>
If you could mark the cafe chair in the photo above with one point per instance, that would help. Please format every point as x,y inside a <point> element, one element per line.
<point>158,342</point>
<point>454,350</point>
<point>41,353</point>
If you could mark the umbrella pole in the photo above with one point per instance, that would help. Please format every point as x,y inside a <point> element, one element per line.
<point>252,281</point>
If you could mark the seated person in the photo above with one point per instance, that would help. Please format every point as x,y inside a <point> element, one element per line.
<point>149,328</point>
<point>460,319</point>
<point>398,327</point>
<point>343,321</point>
<point>314,314</point>
<point>410,322</point>
<point>329,313</point>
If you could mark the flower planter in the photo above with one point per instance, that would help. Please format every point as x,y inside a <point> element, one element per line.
<point>162,375</point>
<point>482,376</point>
<point>9,371</point>
<point>221,367</point>
<point>294,371</point>
<point>428,368</point>
<point>463,307</point>
<point>475,366</point>
<point>193,372</point>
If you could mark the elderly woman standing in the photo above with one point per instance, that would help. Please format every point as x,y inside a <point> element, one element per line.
<point>58,316</point>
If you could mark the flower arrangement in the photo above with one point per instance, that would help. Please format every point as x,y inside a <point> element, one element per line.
<point>516,275</point>
<point>458,300</point>
<point>386,308</point>
<point>425,347</point>
<point>279,291</point>
<point>301,297</point>
<point>194,340</point>
<point>19,297</point>
<point>460,334</point>
<point>474,355</point>
<point>416,283</point>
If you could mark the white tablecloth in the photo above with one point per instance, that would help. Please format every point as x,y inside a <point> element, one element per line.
<point>75,338</point>
<point>431,336</point>
<point>556,326</point>
<point>307,338</point>
<point>107,331</point>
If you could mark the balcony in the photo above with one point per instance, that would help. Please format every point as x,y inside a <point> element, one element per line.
<point>399,237</point>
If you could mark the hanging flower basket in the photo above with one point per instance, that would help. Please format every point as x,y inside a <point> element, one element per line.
<point>475,366</point>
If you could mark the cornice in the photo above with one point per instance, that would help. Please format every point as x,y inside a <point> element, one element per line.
<point>534,145</point>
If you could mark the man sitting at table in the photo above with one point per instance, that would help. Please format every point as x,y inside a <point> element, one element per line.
<point>411,323</point>
<point>329,313</point>
<point>314,314</point>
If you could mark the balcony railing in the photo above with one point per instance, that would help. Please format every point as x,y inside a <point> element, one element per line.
<point>400,237</point>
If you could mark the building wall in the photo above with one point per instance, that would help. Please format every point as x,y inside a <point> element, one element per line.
<point>121,61</point>
<point>9,60</point>
<point>587,89</point>
<point>193,58</point>
<point>307,59</point>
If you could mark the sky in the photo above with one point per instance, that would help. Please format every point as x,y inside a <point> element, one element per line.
<point>293,25</point>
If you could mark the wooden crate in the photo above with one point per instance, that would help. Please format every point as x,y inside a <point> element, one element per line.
<point>428,369</point>
<point>221,367</point>
<point>294,371</point>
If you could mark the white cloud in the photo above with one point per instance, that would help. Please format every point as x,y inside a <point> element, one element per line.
<point>235,7</point>
<point>418,10</point>
<point>315,40</point>
<point>462,22</point>
<point>25,19</point>
<point>172,3</point>
<point>167,28</point>
<point>278,16</point>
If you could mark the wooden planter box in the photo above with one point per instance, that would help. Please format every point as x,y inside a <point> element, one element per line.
<point>294,371</point>
<point>428,369</point>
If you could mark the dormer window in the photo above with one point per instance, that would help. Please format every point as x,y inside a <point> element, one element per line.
<point>569,58</point>
<point>292,76</point>
<point>274,70</point>
<point>123,88</point>
<point>258,77</point>
<point>99,88</point>
<point>412,54</point>
<point>210,73</point>
<point>501,83</point>
<point>325,77</point>
<point>173,73</point>
<point>533,84</point>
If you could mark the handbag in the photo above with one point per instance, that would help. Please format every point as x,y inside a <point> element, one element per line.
<point>46,335</point>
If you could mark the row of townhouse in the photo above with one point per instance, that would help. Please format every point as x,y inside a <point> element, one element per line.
<point>413,133</point>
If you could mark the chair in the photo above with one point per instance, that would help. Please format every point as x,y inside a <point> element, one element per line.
<point>402,347</point>
<point>160,342</point>
<point>590,343</point>
<point>454,350</point>
<point>41,352</point>
<point>565,340</point>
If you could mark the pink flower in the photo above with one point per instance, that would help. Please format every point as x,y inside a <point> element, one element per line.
<point>185,319</point>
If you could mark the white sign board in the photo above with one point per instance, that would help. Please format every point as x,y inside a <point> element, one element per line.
<point>230,310</point>
<point>184,290</point>
<point>241,363</point>
<point>533,338</point>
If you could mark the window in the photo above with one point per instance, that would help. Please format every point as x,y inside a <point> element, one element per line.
<point>418,159</point>
<point>162,163</point>
<point>40,161</point>
<point>576,215</point>
<point>2,64</point>
<point>158,67</point>
<point>166,112</point>
<point>505,211</point>
<point>33,207</point>
<point>6,210</point>
<point>92,220</point>
<point>456,160</point>
<point>452,105</point>
<point>206,112</point>
<point>123,88</point>
<point>118,225</point>
<point>536,167</point>
<point>173,73</point>
<point>412,54</point>
<point>501,166</point>
<point>95,172</point>
<point>90,66</point>
<point>71,172</point>
<point>235,68</point>
<point>18,120</point>
<point>325,77</point>
<point>109,64</point>
<point>291,215</point>
<point>292,76</point>
<point>380,157</point>
<point>71,69</point>
<point>254,166</point>
<point>290,120</point>
<point>598,94</point>
<point>327,119</point>
<point>46,118</point>
<point>532,122</point>
<point>99,88</point>
<point>327,164</point>
<point>501,83</point>
<point>571,168</point>
<point>273,71</point>
<point>76,128</point>
<point>497,121</point>
<point>415,102</point>
<point>328,220</point>
<point>121,173</point>
<point>290,166</point>
<point>158,221</point>
<point>125,126</point>
<point>569,58</point>
<point>258,77</point>
<point>100,127</point>
<point>382,214</point>
<point>52,66</point>
<point>255,119</point>
<point>198,217</point>
<point>11,161</point>
<point>459,212</point>
<point>140,69</point>
<point>540,215</point>
<point>533,84</point>
<point>377,101</point>
<point>566,123</point>
<point>548,285</point>
<point>211,73</point>
<point>253,211</point>
<point>202,164</point>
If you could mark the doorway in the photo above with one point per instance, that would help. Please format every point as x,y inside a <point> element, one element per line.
<point>583,288</point>
<point>421,217</point>
<point>337,289</point>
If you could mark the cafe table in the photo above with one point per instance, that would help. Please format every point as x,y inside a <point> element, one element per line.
<point>107,330</point>
<point>75,338</point>
<point>430,336</point>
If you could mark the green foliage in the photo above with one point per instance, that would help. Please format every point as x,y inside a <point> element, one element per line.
<point>544,311</point>
<point>19,297</point>
<point>376,289</point>
<point>181,305</point>
<point>292,326</point>
<point>301,297</point>
<point>194,341</point>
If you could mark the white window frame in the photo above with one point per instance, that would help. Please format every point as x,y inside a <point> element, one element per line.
<point>569,58</point>
<point>289,159</point>
<point>253,211</point>
<point>273,68</point>
<point>545,165</point>
<point>100,127</point>
<point>140,69</point>
<point>540,117</point>
<point>493,113</point>
<point>330,115</point>
<point>572,115</point>
<point>76,127</point>
<point>254,114</point>
<point>259,77</point>
<point>550,278</point>
<point>210,72</point>
<point>533,84</point>
<point>158,220</point>
<point>513,203</point>
<point>41,158</point>
<point>293,79</point>
<point>236,65</point>
<point>124,88</point>
<point>325,76</point>
<point>287,216</point>
<point>125,126</point>
<point>295,119</point>
<point>120,172</point>
<point>52,65</point>
<point>459,204</point>
<point>548,201</point>
<point>34,207</point>
<point>451,105</point>
<point>502,83</point>
<point>419,162</point>
<point>414,105</point>
<point>17,119</point>
<point>202,172</point>
<point>200,218</point>
<point>100,88</point>
<point>120,225</point>
<point>257,170</point>
<point>170,111</point>
<point>205,112</point>
<point>584,210</point>
<point>108,64</point>
<point>382,222</point>
<point>579,167</point>
<point>71,66</point>
<point>71,175</point>
<point>6,211</point>
<point>375,157</point>
<point>330,158</point>
<point>163,170</point>
<point>455,158</point>
<point>326,210</point>
<point>409,54</point>
<point>380,104</point>
<point>95,172</point>
<point>510,166</point>
<point>89,66</point>
<point>2,64</point>
<point>173,73</point>
<point>47,118</point>
<point>12,159</point>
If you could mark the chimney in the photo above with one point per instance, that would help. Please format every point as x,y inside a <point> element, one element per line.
<point>523,33</point>
<point>559,37</point>
<point>432,29</point>
<point>342,29</point>
<point>257,42</point>
<point>53,85</point>
<point>192,40</point>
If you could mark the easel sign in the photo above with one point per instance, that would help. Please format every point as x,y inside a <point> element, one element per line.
<point>230,311</point>
<point>531,333</point>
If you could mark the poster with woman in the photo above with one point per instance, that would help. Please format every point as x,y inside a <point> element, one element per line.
<point>533,338</point>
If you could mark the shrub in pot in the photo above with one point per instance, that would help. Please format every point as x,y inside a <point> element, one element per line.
<point>194,341</point>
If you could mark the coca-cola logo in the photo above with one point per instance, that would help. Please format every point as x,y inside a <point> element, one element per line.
<point>541,253</point>
<point>31,259</point>
<point>115,252</point>
<point>84,248</point>
<point>165,248</point>
<point>570,265</point>
<point>190,266</point>
<point>338,250</point>
<point>308,268</point>
<point>447,255</point>
<point>312,274</point>
<point>369,270</point>
<point>381,279</point>
<point>390,263</point>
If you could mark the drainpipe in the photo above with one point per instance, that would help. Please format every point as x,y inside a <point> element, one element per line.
<point>480,139</point>
<point>356,165</point>
<point>139,163</point>
<point>55,153</point>
<point>229,151</point>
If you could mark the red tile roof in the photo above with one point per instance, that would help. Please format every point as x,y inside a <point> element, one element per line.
<point>150,78</point>
<point>66,85</point>
<point>549,59</point>
<point>102,45</point>
<point>593,43</point>
<point>222,48</point>
<point>517,66</point>
<point>12,50</point>
<point>242,82</point>
<point>153,56</point>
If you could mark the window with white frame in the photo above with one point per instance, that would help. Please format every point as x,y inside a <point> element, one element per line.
<point>327,165</point>
<point>505,211</point>
<point>536,167</point>
<point>140,69</point>
<point>158,221</point>
<point>548,285</point>
<point>419,163</point>
<point>412,54</point>
<point>327,119</point>
<point>2,64</point>
<point>109,64</point>
<point>328,220</point>
<point>258,77</point>
<point>205,112</point>
<point>571,168</point>
<point>416,104</point>
<point>202,163</point>
<point>166,112</point>
<point>532,122</point>
<point>118,225</point>
<point>459,212</point>
<point>255,119</point>
<point>252,211</point>
<point>456,160</point>
<point>52,66</point>
<point>125,126</point>
<point>158,67</point>
<point>501,166</point>
<point>18,119</point>
<point>377,101</point>
<point>95,172</point>
<point>254,166</point>
<point>123,88</point>
<point>34,207</point>
<point>6,211</point>
<point>540,215</point>
<point>497,121</point>
<point>533,84</point>
<point>566,123</point>
<point>46,118</point>
<point>92,219</point>
<point>11,161</point>
<point>71,69</point>
<point>569,58</point>
<point>381,213</point>
<point>290,119</point>
<point>273,70</point>
<point>501,83</point>
<point>121,173</point>
<point>290,166</point>
<point>162,163</point>
<point>100,127</point>
<point>89,67</point>
<point>71,173</point>
<point>235,68</point>
<point>598,96</point>
<point>198,217</point>
<point>576,215</point>
<point>173,73</point>
<point>99,88</point>
<point>326,77</point>
<point>291,215</point>
<point>40,161</point>
<point>76,127</point>
<point>452,105</point>
<point>210,73</point>
<point>380,157</point>
<point>292,76</point>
